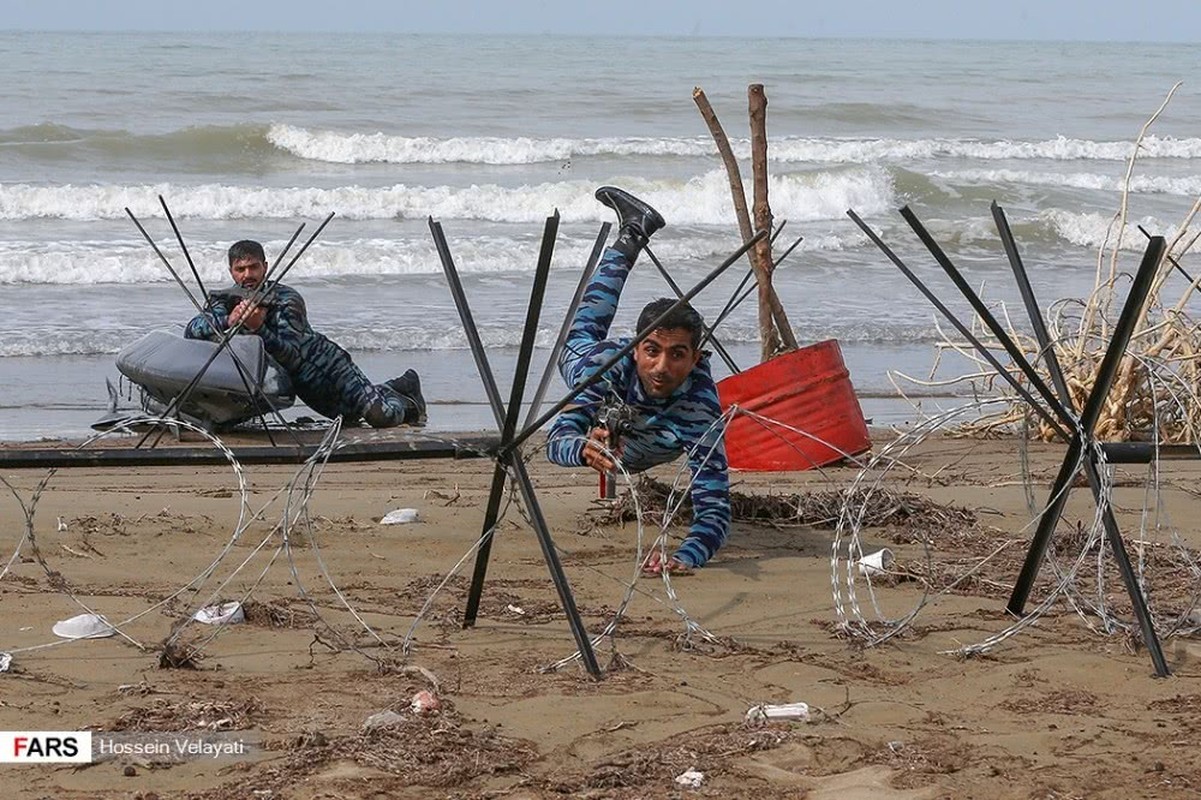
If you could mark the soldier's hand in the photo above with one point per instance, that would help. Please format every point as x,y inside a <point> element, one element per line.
<point>251,315</point>
<point>594,455</point>
<point>655,565</point>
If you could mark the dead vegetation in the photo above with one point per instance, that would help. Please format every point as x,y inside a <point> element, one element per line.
<point>192,714</point>
<point>1063,701</point>
<point>438,751</point>
<point>278,613</point>
<point>880,508</point>
<point>1154,395</point>
<point>653,767</point>
<point>918,760</point>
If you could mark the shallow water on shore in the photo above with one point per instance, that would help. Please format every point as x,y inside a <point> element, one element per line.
<point>450,382</point>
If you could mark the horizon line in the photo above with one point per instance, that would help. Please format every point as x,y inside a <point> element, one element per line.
<point>593,35</point>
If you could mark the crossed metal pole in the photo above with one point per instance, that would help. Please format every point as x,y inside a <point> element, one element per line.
<point>242,369</point>
<point>228,335</point>
<point>509,458</point>
<point>1056,407</point>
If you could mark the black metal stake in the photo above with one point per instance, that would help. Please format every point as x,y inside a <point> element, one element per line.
<point>508,421</point>
<point>510,456</point>
<point>959,326</point>
<point>1092,469</point>
<point>1088,420</point>
<point>1033,310</point>
<point>179,237</point>
<point>1146,452</point>
<point>990,321</point>
<point>553,361</point>
<point>1171,260</point>
<point>1062,485</point>
<point>182,397</point>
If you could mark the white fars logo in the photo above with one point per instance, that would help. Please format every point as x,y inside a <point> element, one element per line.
<point>45,747</point>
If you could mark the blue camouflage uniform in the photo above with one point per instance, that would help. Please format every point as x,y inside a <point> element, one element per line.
<point>322,373</point>
<point>662,428</point>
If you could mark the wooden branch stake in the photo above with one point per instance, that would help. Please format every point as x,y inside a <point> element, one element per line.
<point>757,109</point>
<point>768,301</point>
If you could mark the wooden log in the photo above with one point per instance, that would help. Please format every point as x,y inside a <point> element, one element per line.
<point>733,174</point>
<point>769,339</point>
<point>757,107</point>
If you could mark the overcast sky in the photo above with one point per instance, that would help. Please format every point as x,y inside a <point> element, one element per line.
<point>1065,20</point>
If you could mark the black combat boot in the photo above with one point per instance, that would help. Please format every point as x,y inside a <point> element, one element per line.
<point>636,221</point>
<point>408,386</point>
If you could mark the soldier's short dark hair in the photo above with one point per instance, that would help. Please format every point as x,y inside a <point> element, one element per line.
<point>247,248</point>
<point>685,317</point>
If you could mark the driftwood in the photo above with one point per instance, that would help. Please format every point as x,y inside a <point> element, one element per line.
<point>774,328</point>
<point>757,108</point>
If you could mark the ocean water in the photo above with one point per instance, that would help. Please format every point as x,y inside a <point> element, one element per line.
<point>251,135</point>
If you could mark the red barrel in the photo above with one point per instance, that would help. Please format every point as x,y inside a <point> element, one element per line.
<point>809,390</point>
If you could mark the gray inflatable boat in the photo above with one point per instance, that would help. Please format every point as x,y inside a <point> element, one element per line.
<point>162,363</point>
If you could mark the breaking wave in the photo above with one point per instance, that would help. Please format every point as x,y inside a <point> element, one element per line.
<point>703,200</point>
<point>358,148</point>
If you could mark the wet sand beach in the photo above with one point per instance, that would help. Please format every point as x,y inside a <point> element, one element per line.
<point>1058,710</point>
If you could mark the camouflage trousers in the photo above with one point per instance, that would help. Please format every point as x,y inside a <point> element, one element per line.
<point>331,384</point>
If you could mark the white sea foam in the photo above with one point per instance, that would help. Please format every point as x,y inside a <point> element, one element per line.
<point>1189,186</point>
<point>442,334</point>
<point>1094,230</point>
<point>1084,230</point>
<point>1058,149</point>
<point>134,262</point>
<point>357,148</point>
<point>63,343</point>
<point>703,200</point>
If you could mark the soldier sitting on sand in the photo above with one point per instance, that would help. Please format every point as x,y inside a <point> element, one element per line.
<point>664,391</point>
<point>323,374</point>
